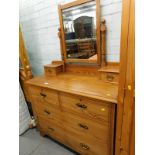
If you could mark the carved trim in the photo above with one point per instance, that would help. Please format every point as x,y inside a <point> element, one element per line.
<point>60,37</point>
<point>103,43</point>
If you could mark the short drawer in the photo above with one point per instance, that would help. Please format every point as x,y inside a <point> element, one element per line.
<point>93,109</point>
<point>86,128</point>
<point>45,96</point>
<point>86,146</point>
<point>110,77</point>
<point>45,111</point>
<point>52,71</point>
<point>53,130</point>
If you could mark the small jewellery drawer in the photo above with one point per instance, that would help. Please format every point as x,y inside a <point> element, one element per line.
<point>86,128</point>
<point>45,95</point>
<point>52,129</point>
<point>49,71</point>
<point>94,109</point>
<point>52,70</point>
<point>110,77</point>
<point>86,146</point>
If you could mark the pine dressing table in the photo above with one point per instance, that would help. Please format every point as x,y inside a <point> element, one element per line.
<point>75,104</point>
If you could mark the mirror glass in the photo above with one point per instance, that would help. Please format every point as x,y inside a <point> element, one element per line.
<point>80,31</point>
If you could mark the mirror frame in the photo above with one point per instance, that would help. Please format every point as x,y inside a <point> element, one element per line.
<point>62,38</point>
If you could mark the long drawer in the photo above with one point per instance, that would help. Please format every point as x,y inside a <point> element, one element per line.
<point>52,129</point>
<point>45,96</point>
<point>92,109</point>
<point>86,146</point>
<point>87,128</point>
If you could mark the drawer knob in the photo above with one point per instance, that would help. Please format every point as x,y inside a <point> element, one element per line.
<point>43,95</point>
<point>47,112</point>
<point>83,126</point>
<point>110,77</point>
<point>83,106</point>
<point>51,129</point>
<point>84,146</point>
<point>49,71</point>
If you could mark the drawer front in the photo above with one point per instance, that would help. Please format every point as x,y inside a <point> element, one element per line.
<point>96,110</point>
<point>53,130</point>
<point>86,146</point>
<point>110,77</point>
<point>45,96</point>
<point>49,71</point>
<point>45,111</point>
<point>86,128</point>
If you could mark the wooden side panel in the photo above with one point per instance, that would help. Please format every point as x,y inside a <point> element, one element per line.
<point>123,59</point>
<point>128,118</point>
<point>25,72</point>
<point>125,113</point>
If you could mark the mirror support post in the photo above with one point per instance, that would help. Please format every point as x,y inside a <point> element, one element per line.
<point>103,43</point>
<point>60,37</point>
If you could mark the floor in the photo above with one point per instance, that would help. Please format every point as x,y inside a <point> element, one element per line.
<point>31,143</point>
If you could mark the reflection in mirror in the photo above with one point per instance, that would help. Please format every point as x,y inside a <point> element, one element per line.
<point>80,31</point>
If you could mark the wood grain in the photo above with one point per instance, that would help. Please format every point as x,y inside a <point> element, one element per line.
<point>88,86</point>
<point>125,109</point>
<point>81,121</point>
<point>25,71</point>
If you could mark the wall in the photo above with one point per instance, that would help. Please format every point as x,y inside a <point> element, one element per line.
<point>39,22</point>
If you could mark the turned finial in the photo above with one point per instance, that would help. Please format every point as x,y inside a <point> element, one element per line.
<point>103,26</point>
<point>59,32</point>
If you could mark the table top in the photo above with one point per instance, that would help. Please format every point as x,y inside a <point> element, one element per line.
<point>88,86</point>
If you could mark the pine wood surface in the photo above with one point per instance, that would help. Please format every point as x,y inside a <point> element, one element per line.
<point>89,86</point>
<point>87,130</point>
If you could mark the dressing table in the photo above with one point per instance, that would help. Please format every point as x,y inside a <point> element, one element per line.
<point>75,100</point>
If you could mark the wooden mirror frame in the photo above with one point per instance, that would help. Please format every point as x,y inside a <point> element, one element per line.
<point>62,36</point>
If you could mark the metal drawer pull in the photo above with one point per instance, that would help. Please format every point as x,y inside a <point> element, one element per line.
<point>81,105</point>
<point>51,129</point>
<point>49,71</point>
<point>47,112</point>
<point>84,146</point>
<point>83,126</point>
<point>110,77</point>
<point>43,95</point>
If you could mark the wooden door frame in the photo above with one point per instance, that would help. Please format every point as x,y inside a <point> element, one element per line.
<point>124,101</point>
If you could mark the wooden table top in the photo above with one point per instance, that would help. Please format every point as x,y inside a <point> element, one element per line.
<point>88,86</point>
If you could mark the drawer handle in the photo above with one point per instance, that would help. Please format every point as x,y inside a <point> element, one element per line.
<point>51,129</point>
<point>49,71</point>
<point>83,126</point>
<point>110,77</point>
<point>83,106</point>
<point>47,112</point>
<point>43,95</point>
<point>84,146</point>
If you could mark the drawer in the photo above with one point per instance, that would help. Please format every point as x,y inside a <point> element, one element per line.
<point>110,77</point>
<point>93,109</point>
<point>53,71</point>
<point>86,146</point>
<point>53,130</point>
<point>45,96</point>
<point>86,128</point>
<point>49,71</point>
<point>45,111</point>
